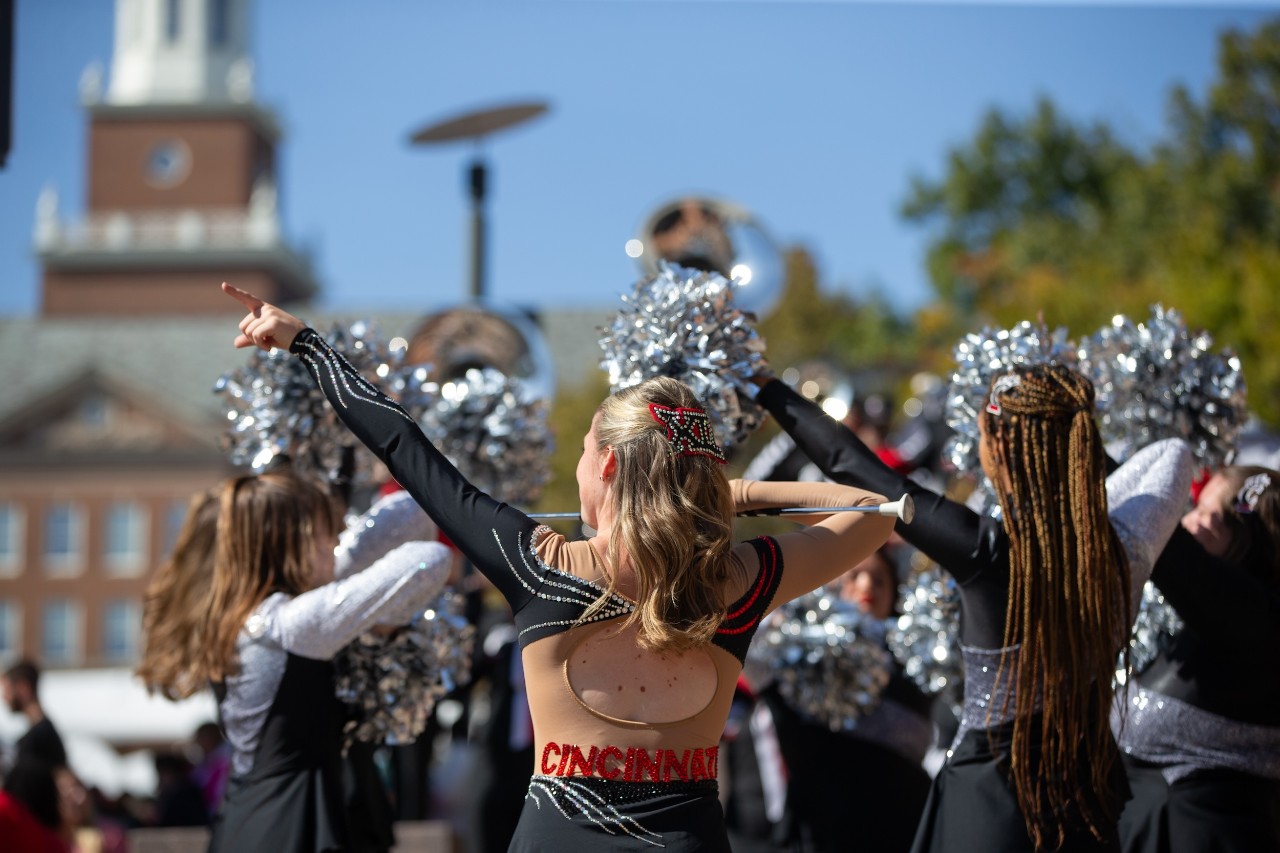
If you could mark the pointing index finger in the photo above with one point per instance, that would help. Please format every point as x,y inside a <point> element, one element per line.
<point>245,298</point>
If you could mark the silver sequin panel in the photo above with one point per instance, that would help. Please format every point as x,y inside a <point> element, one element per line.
<point>983,695</point>
<point>392,520</point>
<point>1146,497</point>
<point>897,727</point>
<point>1183,738</point>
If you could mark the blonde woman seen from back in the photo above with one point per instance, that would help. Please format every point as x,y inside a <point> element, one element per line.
<point>632,641</point>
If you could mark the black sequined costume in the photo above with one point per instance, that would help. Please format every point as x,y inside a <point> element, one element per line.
<point>600,782</point>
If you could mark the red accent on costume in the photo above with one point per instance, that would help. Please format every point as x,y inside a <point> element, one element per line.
<point>763,582</point>
<point>646,766</point>
<point>548,769</point>
<point>633,765</point>
<point>580,765</point>
<point>603,766</point>
<point>669,763</point>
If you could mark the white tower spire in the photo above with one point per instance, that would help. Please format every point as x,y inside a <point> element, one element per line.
<point>181,52</point>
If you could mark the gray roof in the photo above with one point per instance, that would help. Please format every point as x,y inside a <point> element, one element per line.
<point>177,360</point>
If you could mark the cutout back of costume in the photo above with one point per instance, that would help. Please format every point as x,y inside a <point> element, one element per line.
<point>574,666</point>
<point>612,677</point>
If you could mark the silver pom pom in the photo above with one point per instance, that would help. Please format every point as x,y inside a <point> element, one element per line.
<point>1156,380</point>
<point>1154,629</point>
<point>488,426</point>
<point>684,324</point>
<point>391,684</point>
<point>925,639</point>
<point>274,409</point>
<point>979,359</point>
<point>826,658</point>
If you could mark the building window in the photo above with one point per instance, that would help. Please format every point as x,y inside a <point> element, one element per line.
<point>120,623</point>
<point>173,518</point>
<point>126,538</point>
<point>13,523</point>
<point>63,539</point>
<point>60,633</point>
<point>219,22</point>
<point>93,412</point>
<point>172,23</point>
<point>10,630</point>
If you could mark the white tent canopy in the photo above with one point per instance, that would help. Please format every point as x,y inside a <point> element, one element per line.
<point>97,710</point>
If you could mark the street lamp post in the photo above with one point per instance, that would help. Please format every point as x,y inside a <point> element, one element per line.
<point>476,126</point>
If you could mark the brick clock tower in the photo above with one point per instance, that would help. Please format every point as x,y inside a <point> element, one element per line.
<point>181,175</point>
<point>110,424</point>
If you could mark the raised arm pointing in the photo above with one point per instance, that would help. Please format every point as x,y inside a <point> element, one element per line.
<point>265,326</point>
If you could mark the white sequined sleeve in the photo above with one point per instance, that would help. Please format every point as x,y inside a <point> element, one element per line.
<point>318,623</point>
<point>1146,497</point>
<point>392,520</point>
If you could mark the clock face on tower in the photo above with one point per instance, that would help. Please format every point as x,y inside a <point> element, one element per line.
<point>168,163</point>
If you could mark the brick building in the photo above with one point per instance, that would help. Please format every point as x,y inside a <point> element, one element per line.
<point>108,422</point>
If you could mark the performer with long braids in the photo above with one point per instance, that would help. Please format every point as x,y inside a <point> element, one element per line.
<point>1044,605</point>
<point>1201,739</point>
<point>633,640</point>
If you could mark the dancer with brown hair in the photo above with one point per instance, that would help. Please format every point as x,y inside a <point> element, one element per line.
<point>1201,739</point>
<point>633,640</point>
<point>270,623</point>
<point>175,603</point>
<point>1044,605</point>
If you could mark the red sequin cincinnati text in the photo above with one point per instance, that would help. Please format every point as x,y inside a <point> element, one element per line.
<point>631,764</point>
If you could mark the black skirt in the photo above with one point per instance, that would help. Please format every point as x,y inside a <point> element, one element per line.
<point>575,813</point>
<point>972,805</point>
<point>287,813</point>
<point>1210,811</point>
<point>292,800</point>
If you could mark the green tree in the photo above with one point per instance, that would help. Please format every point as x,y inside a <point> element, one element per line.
<point>817,324</point>
<point>1040,215</point>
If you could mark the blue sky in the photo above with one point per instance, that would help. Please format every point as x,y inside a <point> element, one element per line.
<point>813,115</point>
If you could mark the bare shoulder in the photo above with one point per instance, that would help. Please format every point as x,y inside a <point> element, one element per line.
<point>576,558</point>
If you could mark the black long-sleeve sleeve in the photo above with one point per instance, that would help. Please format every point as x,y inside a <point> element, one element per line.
<point>959,539</point>
<point>494,536</point>
<point>1232,621</point>
<point>1221,601</point>
<point>973,548</point>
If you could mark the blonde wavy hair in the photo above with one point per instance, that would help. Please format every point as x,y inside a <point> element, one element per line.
<point>175,602</point>
<point>673,518</point>
<point>266,536</point>
<point>1068,600</point>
